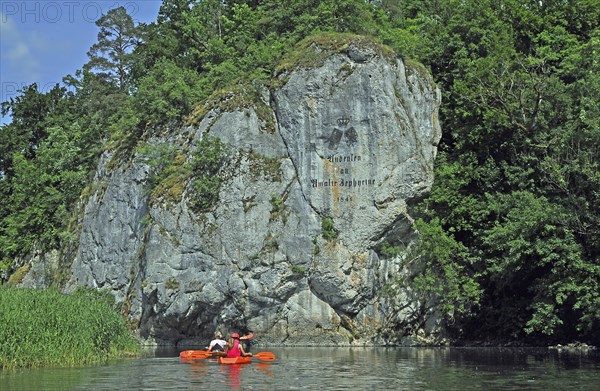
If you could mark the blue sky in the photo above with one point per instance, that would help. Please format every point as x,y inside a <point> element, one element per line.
<point>43,41</point>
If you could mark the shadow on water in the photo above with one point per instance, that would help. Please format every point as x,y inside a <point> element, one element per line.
<point>300,368</point>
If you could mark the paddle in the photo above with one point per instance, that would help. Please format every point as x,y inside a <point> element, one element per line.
<point>264,356</point>
<point>247,336</point>
<point>196,354</point>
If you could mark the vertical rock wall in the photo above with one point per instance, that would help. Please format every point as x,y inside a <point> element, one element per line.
<point>353,145</point>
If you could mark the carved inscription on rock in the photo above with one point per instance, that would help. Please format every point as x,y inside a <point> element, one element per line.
<point>340,169</point>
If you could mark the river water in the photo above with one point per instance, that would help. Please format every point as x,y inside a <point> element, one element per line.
<point>327,369</point>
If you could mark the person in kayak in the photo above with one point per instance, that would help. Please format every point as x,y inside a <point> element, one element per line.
<point>218,344</point>
<point>235,348</point>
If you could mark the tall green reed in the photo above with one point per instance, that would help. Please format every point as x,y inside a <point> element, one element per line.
<point>45,328</point>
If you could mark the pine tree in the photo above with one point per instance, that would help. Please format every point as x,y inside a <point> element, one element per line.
<point>112,54</point>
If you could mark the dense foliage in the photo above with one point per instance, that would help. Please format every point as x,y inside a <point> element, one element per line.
<point>513,221</point>
<point>518,174</point>
<point>47,328</point>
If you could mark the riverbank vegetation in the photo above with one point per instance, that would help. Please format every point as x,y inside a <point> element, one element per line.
<point>515,199</point>
<point>44,328</point>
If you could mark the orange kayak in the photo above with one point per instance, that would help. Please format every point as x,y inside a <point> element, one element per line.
<point>235,360</point>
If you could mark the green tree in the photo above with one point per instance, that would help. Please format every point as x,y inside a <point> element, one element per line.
<point>169,92</point>
<point>112,54</point>
<point>441,275</point>
<point>514,173</point>
<point>181,34</point>
<point>30,112</point>
<point>44,173</point>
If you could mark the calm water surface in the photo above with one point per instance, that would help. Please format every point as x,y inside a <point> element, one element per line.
<point>332,369</point>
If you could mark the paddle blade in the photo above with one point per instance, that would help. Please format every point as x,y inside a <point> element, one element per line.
<point>247,336</point>
<point>264,356</point>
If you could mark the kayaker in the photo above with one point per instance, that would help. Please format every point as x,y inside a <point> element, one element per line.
<point>218,344</point>
<point>235,348</point>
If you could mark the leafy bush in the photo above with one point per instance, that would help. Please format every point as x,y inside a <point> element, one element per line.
<point>388,250</point>
<point>297,269</point>
<point>168,171</point>
<point>168,92</point>
<point>328,229</point>
<point>172,283</point>
<point>439,272</point>
<point>208,160</point>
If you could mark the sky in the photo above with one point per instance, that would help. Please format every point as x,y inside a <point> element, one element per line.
<point>42,41</point>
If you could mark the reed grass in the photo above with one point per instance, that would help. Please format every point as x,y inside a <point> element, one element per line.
<point>45,328</point>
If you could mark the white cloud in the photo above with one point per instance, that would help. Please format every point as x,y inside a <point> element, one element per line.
<point>18,49</point>
<point>19,53</point>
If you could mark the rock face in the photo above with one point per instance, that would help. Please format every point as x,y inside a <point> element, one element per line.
<point>290,252</point>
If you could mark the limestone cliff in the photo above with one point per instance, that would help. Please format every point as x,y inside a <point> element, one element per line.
<point>318,173</point>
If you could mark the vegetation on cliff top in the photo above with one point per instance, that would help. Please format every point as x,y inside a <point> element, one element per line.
<point>515,202</point>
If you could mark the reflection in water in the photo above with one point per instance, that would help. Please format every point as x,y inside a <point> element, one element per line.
<point>229,374</point>
<point>233,375</point>
<point>331,369</point>
<point>263,366</point>
<point>198,369</point>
